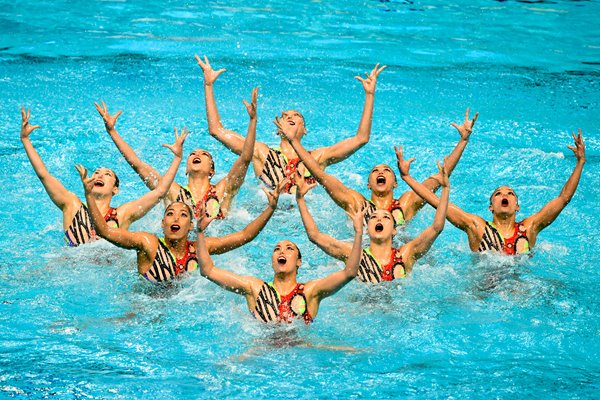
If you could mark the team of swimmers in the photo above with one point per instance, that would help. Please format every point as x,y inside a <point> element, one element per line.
<point>288,168</point>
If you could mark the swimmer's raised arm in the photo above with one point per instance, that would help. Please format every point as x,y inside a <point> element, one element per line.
<point>330,245</point>
<point>410,202</point>
<point>459,218</point>
<point>220,245</point>
<point>230,185</point>
<point>350,200</point>
<point>147,173</point>
<point>417,247</point>
<point>231,139</point>
<point>345,148</point>
<point>140,241</point>
<point>226,279</point>
<point>59,195</point>
<point>319,289</point>
<point>550,211</point>
<point>134,210</point>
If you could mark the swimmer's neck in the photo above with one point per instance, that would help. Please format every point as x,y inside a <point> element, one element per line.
<point>287,149</point>
<point>103,202</point>
<point>284,282</point>
<point>198,185</point>
<point>505,224</point>
<point>382,200</point>
<point>381,249</point>
<point>177,246</point>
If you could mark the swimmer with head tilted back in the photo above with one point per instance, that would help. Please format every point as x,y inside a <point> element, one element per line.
<point>105,184</point>
<point>163,259</point>
<point>272,165</point>
<point>283,299</point>
<point>215,199</point>
<point>380,261</point>
<point>382,180</point>
<point>503,234</point>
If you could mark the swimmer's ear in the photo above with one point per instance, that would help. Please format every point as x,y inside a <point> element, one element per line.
<point>518,207</point>
<point>491,208</point>
<point>298,263</point>
<point>115,190</point>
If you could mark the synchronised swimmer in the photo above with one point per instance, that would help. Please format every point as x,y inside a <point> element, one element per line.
<point>288,168</point>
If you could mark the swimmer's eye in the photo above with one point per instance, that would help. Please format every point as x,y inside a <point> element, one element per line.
<point>387,217</point>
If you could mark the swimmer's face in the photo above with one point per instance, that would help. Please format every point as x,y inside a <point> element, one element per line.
<point>380,225</point>
<point>177,221</point>
<point>382,179</point>
<point>105,182</point>
<point>504,201</point>
<point>286,257</point>
<point>294,118</point>
<point>200,161</point>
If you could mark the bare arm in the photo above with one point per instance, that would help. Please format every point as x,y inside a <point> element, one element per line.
<point>422,243</point>
<point>134,210</point>
<point>220,245</point>
<point>149,175</point>
<point>330,245</point>
<point>55,189</point>
<point>237,173</point>
<point>345,148</point>
<point>350,200</point>
<point>226,279</point>
<point>232,140</point>
<point>411,202</point>
<point>329,285</point>
<point>550,211</point>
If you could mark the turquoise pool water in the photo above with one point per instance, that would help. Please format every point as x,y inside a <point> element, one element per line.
<point>79,323</point>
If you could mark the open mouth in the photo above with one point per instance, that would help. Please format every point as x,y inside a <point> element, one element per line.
<point>175,228</point>
<point>379,227</point>
<point>504,202</point>
<point>281,260</point>
<point>99,184</point>
<point>292,123</point>
<point>196,161</point>
<point>380,180</point>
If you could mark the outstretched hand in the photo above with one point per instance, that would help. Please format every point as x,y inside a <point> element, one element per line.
<point>203,219</point>
<point>403,165</point>
<point>210,76</point>
<point>26,128</point>
<point>358,219</point>
<point>251,108</point>
<point>290,132</point>
<point>88,183</point>
<point>467,126</point>
<point>177,147</point>
<point>442,175</point>
<point>273,195</point>
<point>579,148</point>
<point>302,187</point>
<point>109,120</point>
<point>370,80</point>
